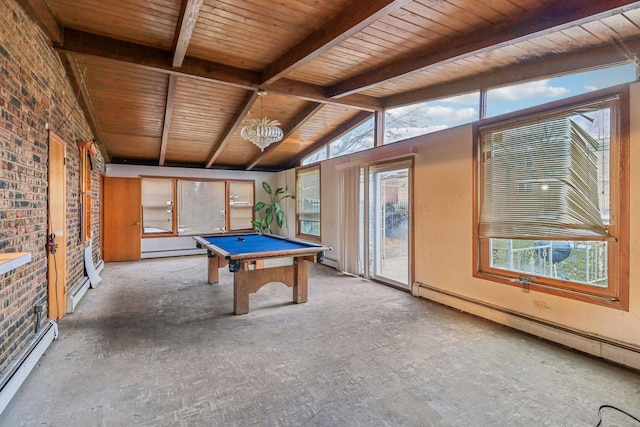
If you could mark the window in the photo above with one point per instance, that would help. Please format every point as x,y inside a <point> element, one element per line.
<point>240,205</point>
<point>201,207</point>
<point>431,116</point>
<point>184,207</point>
<point>157,206</point>
<point>317,156</point>
<point>522,95</point>
<point>86,149</point>
<point>358,139</point>
<point>308,201</point>
<point>551,195</point>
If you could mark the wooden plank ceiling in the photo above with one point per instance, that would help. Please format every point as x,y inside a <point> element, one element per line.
<point>171,82</point>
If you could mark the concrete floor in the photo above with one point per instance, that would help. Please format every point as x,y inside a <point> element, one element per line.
<point>155,345</point>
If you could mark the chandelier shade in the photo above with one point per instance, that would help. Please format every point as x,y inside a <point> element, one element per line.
<point>262,132</point>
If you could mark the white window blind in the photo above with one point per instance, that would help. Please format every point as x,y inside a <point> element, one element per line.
<point>157,205</point>
<point>541,177</point>
<point>201,207</point>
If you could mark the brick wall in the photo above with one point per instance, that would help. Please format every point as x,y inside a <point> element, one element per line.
<point>35,93</point>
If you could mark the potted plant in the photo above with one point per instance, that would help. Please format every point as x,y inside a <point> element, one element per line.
<point>271,210</point>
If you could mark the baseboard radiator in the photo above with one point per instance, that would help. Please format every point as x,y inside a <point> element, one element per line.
<point>613,351</point>
<point>19,370</point>
<point>76,292</point>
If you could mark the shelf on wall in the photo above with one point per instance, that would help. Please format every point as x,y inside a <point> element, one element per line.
<point>13,260</point>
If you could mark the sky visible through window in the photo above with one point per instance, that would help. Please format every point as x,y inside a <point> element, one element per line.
<point>432,116</point>
<point>517,97</point>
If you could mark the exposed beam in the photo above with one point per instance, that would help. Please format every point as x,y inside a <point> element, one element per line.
<point>356,16</point>
<point>187,22</point>
<point>294,124</point>
<point>233,124</point>
<point>555,17</point>
<point>160,60</point>
<point>335,133</point>
<point>155,59</point>
<point>76,76</point>
<point>541,67</point>
<point>168,111</point>
<point>315,93</point>
<point>40,13</point>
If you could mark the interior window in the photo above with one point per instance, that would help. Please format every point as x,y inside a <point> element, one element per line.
<point>201,207</point>
<point>157,206</point>
<point>240,205</point>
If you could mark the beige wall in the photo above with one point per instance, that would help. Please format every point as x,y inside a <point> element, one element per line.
<point>443,201</point>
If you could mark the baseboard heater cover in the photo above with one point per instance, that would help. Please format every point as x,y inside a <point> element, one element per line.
<point>24,364</point>
<point>76,294</point>
<point>330,262</point>
<point>613,351</point>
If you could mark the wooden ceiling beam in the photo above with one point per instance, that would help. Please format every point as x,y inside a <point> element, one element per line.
<point>168,112</point>
<point>233,124</point>
<point>186,23</point>
<point>337,132</point>
<point>315,93</point>
<point>76,76</point>
<point>160,60</point>
<point>356,16</point>
<point>155,59</point>
<point>555,17</point>
<point>294,124</point>
<point>40,13</point>
<point>547,66</point>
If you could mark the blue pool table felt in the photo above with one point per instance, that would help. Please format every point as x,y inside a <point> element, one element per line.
<point>253,243</point>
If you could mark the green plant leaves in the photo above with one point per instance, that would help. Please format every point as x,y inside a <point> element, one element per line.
<point>266,187</point>
<point>280,218</point>
<point>272,209</point>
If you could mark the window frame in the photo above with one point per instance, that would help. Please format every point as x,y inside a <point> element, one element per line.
<point>299,234</point>
<point>616,295</point>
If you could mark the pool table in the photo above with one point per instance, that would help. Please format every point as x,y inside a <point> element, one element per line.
<point>245,254</point>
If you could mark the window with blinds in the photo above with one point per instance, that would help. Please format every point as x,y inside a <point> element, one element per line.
<point>186,207</point>
<point>549,196</point>
<point>308,202</point>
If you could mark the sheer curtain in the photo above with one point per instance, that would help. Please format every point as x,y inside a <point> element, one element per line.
<point>349,224</point>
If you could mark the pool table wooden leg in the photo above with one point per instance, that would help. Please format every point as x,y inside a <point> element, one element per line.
<point>301,273</point>
<point>241,289</point>
<point>214,265</point>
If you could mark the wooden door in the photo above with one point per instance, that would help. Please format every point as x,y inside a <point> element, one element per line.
<point>122,219</point>
<point>57,236</point>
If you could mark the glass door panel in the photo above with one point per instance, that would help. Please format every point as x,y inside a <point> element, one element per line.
<point>389,207</point>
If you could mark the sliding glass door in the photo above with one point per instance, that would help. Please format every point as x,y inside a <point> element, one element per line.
<point>389,223</point>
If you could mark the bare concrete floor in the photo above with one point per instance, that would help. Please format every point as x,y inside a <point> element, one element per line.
<point>155,345</point>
